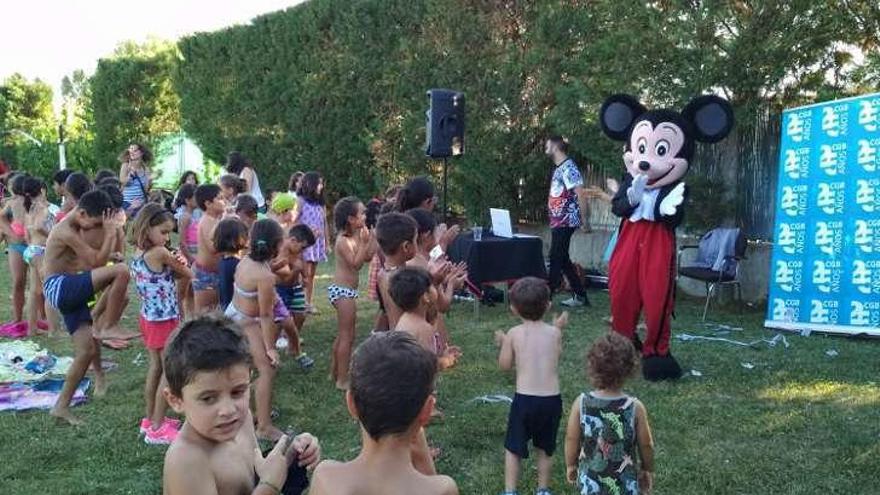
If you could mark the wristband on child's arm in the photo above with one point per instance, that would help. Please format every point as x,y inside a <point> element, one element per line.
<point>275,489</point>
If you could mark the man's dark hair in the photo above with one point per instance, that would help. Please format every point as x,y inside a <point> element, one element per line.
<point>113,193</point>
<point>345,208</point>
<point>61,176</point>
<point>95,203</point>
<point>230,236</point>
<point>303,233</point>
<point>424,218</point>
<point>407,286</point>
<point>391,378</point>
<point>393,229</point>
<point>530,297</point>
<point>207,343</point>
<point>560,142</point>
<point>78,184</point>
<point>205,193</point>
<point>245,204</point>
<point>105,173</point>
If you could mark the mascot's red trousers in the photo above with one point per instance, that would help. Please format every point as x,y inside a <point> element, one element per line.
<point>641,276</point>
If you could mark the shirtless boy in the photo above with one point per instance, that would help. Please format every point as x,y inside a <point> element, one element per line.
<point>533,347</point>
<point>392,380</point>
<point>74,272</point>
<point>207,365</point>
<point>396,234</point>
<point>210,200</point>
<point>289,267</point>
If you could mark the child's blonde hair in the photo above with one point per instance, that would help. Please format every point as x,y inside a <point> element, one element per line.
<point>151,215</point>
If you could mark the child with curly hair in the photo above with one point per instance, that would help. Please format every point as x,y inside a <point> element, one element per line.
<point>606,426</point>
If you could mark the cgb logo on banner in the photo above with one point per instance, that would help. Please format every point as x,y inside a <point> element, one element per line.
<point>825,270</point>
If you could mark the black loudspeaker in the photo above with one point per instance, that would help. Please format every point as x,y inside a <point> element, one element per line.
<point>445,123</point>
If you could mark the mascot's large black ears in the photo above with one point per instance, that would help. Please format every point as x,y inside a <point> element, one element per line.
<point>618,114</point>
<point>710,116</point>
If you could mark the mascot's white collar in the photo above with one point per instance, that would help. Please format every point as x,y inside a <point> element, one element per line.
<point>645,208</point>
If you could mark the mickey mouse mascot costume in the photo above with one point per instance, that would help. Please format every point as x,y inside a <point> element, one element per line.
<point>650,202</point>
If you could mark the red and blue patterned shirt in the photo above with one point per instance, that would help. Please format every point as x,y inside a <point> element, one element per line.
<point>562,202</point>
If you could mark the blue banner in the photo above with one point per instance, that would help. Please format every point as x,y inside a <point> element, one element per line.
<point>825,268</point>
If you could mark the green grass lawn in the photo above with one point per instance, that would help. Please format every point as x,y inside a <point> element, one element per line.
<point>799,422</point>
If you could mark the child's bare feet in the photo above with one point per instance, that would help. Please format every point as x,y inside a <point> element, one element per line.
<point>63,414</point>
<point>115,332</point>
<point>100,386</point>
<point>271,433</point>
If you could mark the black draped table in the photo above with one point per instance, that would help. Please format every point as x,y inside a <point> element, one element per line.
<point>498,259</point>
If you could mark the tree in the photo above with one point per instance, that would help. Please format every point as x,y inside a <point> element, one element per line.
<point>78,120</point>
<point>26,108</point>
<point>133,98</point>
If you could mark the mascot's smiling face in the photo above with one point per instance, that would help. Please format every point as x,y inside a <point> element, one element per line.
<point>657,148</point>
<point>660,143</point>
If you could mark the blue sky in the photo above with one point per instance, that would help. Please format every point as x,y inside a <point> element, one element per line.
<point>51,38</point>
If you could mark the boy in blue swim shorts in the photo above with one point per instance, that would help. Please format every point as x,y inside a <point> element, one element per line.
<point>74,273</point>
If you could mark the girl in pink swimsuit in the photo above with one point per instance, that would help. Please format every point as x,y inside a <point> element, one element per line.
<point>16,240</point>
<point>187,216</point>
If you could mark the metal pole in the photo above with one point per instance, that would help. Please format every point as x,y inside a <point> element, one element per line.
<point>62,153</point>
<point>445,189</point>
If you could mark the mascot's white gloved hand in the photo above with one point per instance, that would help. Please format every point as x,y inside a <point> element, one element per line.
<point>635,191</point>
<point>670,203</point>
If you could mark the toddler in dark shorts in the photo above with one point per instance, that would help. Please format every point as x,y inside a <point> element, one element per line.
<point>533,348</point>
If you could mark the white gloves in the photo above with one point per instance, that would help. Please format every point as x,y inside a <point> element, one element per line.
<point>635,191</point>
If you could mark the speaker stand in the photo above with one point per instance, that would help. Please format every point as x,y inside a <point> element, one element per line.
<point>445,188</point>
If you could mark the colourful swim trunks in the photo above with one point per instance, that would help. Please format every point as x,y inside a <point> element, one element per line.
<point>204,279</point>
<point>70,294</point>
<point>294,297</point>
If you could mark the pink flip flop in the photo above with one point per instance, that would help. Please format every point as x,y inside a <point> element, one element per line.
<point>14,330</point>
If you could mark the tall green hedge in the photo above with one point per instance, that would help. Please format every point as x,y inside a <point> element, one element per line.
<point>339,85</point>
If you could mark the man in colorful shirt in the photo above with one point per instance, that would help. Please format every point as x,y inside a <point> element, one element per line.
<point>566,204</point>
